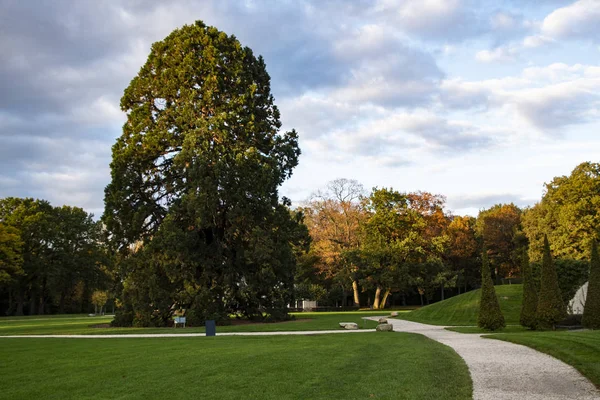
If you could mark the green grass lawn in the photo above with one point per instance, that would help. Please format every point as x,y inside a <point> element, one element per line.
<point>581,349</point>
<point>82,324</point>
<point>356,366</point>
<point>464,309</point>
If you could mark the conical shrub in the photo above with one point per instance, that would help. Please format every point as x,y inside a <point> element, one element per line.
<point>490,316</point>
<point>591,311</point>
<point>551,308</point>
<point>530,298</point>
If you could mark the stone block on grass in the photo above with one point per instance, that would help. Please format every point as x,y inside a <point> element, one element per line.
<point>349,325</point>
<point>385,328</point>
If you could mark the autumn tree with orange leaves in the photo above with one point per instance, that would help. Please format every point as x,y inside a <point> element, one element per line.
<point>333,217</point>
<point>500,230</point>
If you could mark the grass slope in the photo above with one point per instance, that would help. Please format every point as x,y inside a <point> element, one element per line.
<point>581,349</point>
<point>357,366</point>
<point>82,324</point>
<point>464,309</point>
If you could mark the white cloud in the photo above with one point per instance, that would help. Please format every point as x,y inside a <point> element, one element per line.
<point>578,20</point>
<point>432,19</point>
<point>499,54</point>
<point>534,41</point>
<point>546,98</point>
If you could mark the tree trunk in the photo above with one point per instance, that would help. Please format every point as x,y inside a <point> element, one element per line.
<point>61,303</point>
<point>20,301</point>
<point>32,304</point>
<point>355,290</point>
<point>385,297</point>
<point>421,299</point>
<point>95,309</point>
<point>377,294</point>
<point>442,291</point>
<point>42,305</point>
<point>403,300</point>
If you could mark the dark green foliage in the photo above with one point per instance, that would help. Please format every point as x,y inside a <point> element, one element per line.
<point>490,315</point>
<point>591,311</point>
<point>551,308</point>
<point>60,259</point>
<point>569,214</point>
<point>530,300</point>
<point>195,179</point>
<point>11,258</point>
<point>571,275</point>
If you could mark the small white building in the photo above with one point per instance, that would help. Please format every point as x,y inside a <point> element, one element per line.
<point>577,303</point>
<point>306,305</point>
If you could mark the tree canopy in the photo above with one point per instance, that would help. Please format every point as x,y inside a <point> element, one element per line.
<point>195,178</point>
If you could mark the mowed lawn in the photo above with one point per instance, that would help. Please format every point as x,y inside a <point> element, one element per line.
<point>352,366</point>
<point>463,310</point>
<point>83,324</point>
<point>581,349</point>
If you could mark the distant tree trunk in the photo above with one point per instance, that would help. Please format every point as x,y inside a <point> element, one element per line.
<point>385,297</point>
<point>403,300</point>
<point>42,303</point>
<point>421,299</point>
<point>344,295</point>
<point>377,294</point>
<point>61,303</point>
<point>442,291</point>
<point>20,301</point>
<point>32,304</point>
<point>355,290</point>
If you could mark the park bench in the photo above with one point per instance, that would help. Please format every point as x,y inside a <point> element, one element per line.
<point>178,320</point>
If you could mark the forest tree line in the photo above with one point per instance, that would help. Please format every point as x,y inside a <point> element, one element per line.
<point>363,248</point>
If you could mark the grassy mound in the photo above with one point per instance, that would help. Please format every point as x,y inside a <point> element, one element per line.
<point>464,309</point>
<point>354,366</point>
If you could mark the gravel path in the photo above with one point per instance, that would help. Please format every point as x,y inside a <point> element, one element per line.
<point>502,370</point>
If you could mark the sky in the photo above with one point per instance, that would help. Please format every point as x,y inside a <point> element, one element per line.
<point>480,101</point>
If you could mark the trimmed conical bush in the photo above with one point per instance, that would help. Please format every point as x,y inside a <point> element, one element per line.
<point>551,308</point>
<point>490,316</point>
<point>591,311</point>
<point>530,298</point>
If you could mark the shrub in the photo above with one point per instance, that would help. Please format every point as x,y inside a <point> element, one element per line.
<point>591,311</point>
<point>490,315</point>
<point>551,308</point>
<point>530,299</point>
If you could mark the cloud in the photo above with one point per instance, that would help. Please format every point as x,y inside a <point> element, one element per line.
<point>547,98</point>
<point>484,201</point>
<point>447,20</point>
<point>581,19</point>
<point>499,54</point>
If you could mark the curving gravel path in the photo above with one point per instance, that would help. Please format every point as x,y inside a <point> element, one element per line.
<point>502,370</point>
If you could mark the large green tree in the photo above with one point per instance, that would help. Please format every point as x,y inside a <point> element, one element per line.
<point>569,214</point>
<point>591,311</point>
<point>61,258</point>
<point>195,178</point>
<point>499,228</point>
<point>11,257</point>
<point>550,308</point>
